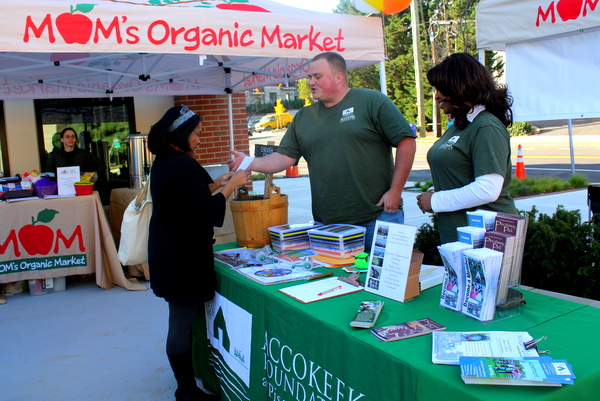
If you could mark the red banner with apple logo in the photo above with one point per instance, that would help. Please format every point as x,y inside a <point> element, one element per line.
<point>37,245</point>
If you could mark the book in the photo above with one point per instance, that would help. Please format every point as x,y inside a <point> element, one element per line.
<point>449,346</point>
<point>367,314</point>
<point>454,284</point>
<point>531,371</point>
<point>517,226</point>
<point>406,330</point>
<point>505,243</point>
<point>482,270</point>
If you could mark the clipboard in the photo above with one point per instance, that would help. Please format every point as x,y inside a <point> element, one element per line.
<point>319,290</point>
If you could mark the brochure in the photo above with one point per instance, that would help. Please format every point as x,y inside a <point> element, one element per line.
<point>449,346</point>
<point>531,371</point>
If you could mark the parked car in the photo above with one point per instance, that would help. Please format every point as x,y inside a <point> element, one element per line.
<point>251,122</point>
<point>273,121</point>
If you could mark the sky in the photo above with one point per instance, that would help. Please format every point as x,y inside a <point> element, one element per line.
<point>315,5</point>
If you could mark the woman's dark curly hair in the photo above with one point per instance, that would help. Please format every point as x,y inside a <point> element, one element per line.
<point>468,83</point>
<point>161,138</point>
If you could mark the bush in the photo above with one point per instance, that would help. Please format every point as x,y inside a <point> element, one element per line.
<point>532,186</point>
<point>562,254</point>
<point>520,129</point>
<point>427,240</point>
<point>424,186</point>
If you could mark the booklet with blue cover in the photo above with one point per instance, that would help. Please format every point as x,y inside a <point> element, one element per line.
<point>530,371</point>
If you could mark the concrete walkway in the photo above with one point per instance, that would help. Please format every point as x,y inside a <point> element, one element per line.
<point>92,344</point>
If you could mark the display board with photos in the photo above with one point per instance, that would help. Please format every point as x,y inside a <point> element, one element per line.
<point>392,267</point>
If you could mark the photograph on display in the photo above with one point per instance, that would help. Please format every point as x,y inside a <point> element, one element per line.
<point>375,272</point>
<point>383,231</point>
<point>380,241</point>
<point>390,260</point>
<point>373,284</point>
<point>377,261</point>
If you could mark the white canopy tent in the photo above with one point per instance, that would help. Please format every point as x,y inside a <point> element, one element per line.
<point>49,49</point>
<point>552,55</point>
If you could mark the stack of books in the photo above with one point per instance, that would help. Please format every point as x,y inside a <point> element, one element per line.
<point>291,237</point>
<point>337,240</point>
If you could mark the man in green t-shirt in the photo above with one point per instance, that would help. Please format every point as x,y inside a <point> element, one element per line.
<point>346,139</point>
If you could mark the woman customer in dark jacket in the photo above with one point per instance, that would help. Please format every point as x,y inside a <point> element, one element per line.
<point>181,234</point>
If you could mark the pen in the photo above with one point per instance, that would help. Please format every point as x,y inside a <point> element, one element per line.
<point>339,287</point>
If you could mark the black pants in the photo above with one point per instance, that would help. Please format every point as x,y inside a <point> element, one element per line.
<point>179,343</point>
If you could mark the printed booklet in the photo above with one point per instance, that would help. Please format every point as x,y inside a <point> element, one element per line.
<point>449,346</point>
<point>367,314</point>
<point>406,330</point>
<point>534,371</point>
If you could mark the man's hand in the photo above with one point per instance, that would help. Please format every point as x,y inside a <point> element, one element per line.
<point>236,161</point>
<point>390,201</point>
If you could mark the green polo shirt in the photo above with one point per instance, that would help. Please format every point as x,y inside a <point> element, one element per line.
<point>348,148</point>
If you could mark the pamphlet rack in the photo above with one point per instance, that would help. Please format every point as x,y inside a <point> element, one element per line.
<point>482,280</point>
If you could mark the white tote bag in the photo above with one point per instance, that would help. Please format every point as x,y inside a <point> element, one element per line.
<point>133,248</point>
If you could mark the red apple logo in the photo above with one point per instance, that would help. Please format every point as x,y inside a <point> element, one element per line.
<point>75,28</point>
<point>38,239</point>
<point>569,9</point>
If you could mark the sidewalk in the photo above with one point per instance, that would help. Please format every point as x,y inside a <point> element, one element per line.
<point>89,343</point>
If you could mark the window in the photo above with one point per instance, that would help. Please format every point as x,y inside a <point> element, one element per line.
<point>102,126</point>
<point>4,170</point>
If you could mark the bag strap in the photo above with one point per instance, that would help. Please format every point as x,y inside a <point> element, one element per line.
<point>144,195</point>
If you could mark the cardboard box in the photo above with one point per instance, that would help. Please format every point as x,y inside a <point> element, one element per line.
<point>47,285</point>
<point>412,285</point>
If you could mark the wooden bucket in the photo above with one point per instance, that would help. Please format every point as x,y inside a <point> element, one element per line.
<point>252,218</point>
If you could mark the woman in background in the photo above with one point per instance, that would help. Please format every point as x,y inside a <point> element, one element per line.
<point>69,154</point>
<point>470,164</point>
<point>180,245</point>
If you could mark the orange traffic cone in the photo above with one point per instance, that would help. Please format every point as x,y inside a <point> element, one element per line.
<point>520,170</point>
<point>292,172</point>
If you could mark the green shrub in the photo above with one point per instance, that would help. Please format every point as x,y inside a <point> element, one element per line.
<point>562,254</point>
<point>520,128</point>
<point>542,185</point>
<point>424,186</point>
<point>427,241</point>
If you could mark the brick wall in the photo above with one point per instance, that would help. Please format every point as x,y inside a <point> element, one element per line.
<point>213,110</point>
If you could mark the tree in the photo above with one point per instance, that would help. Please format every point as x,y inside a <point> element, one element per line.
<point>451,28</point>
<point>304,91</point>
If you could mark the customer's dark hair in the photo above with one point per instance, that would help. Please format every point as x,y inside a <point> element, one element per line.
<point>335,61</point>
<point>163,136</point>
<point>468,83</point>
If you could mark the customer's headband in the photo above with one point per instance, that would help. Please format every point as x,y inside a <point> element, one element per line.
<point>186,114</point>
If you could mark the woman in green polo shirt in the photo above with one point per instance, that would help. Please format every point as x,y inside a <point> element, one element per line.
<point>470,164</point>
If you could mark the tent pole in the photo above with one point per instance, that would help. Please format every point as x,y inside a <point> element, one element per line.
<point>229,92</point>
<point>230,112</point>
<point>571,147</point>
<point>382,78</point>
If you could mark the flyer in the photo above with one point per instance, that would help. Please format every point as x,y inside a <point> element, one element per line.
<point>389,261</point>
<point>67,177</point>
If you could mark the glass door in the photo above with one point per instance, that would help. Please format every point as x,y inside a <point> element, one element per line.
<point>102,126</point>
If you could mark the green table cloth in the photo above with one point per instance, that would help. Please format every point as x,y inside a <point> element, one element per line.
<point>264,345</point>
